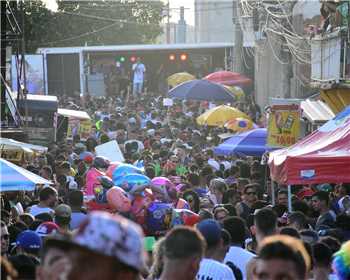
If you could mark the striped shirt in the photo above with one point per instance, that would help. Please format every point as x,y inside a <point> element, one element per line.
<point>213,270</point>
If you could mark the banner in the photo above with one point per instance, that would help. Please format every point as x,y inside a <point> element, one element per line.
<point>34,64</point>
<point>79,126</point>
<point>283,125</point>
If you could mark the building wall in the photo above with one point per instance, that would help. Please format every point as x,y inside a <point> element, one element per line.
<point>277,74</point>
<point>213,21</point>
<point>271,77</point>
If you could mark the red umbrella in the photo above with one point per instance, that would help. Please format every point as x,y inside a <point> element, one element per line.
<point>229,78</point>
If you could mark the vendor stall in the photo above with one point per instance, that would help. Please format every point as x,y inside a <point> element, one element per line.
<point>16,151</point>
<point>321,157</point>
<point>16,178</point>
<point>72,122</point>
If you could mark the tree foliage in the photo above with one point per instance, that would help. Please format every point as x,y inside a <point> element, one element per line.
<point>78,23</point>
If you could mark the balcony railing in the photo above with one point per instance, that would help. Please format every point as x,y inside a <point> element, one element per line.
<point>330,59</point>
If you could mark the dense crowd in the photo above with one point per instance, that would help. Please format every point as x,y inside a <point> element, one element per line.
<point>204,217</point>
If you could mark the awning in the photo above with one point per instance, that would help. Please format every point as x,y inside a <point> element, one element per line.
<point>316,111</point>
<point>336,98</point>
<point>12,144</point>
<point>36,102</point>
<point>16,178</point>
<point>73,114</point>
<point>321,157</point>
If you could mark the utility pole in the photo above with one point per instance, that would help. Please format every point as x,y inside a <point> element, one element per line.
<point>237,65</point>
<point>168,23</point>
<point>23,51</point>
<point>3,53</point>
<point>181,27</point>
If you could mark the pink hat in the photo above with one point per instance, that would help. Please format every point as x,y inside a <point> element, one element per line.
<point>47,228</point>
<point>113,236</point>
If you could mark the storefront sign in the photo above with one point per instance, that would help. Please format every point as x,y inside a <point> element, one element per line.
<point>283,125</point>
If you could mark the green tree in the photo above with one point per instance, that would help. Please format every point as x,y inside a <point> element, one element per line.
<point>77,23</point>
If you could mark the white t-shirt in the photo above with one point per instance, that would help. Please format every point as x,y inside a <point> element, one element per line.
<point>36,210</point>
<point>214,270</point>
<point>240,258</point>
<point>139,69</point>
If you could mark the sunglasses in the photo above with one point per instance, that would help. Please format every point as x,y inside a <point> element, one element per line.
<point>251,193</point>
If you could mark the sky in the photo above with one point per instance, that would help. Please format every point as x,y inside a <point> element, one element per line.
<point>174,9</point>
<point>189,10</point>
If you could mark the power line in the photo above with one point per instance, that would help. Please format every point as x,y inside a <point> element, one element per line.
<point>81,35</point>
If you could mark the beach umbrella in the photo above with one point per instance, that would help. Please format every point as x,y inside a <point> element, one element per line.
<point>220,115</point>
<point>16,178</point>
<point>237,92</point>
<point>229,78</point>
<point>249,143</point>
<point>179,78</point>
<point>240,125</point>
<point>201,90</point>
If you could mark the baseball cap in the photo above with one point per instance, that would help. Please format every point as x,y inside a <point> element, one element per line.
<point>211,231</point>
<point>324,187</point>
<point>47,228</point>
<point>29,240</point>
<point>63,210</point>
<point>305,193</point>
<point>87,157</point>
<point>113,236</point>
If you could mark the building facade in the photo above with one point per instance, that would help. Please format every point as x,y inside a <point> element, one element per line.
<point>213,21</point>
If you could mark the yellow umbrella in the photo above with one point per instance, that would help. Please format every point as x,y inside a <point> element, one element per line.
<point>220,115</point>
<point>179,78</point>
<point>235,91</point>
<point>240,125</point>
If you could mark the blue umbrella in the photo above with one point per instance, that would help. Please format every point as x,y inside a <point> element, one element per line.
<point>250,143</point>
<point>15,178</point>
<point>201,90</point>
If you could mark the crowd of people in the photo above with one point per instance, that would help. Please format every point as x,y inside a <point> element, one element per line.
<point>194,216</point>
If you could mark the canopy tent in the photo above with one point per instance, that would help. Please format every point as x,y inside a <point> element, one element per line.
<point>250,143</point>
<point>72,122</point>
<point>82,115</point>
<point>321,157</point>
<point>16,178</point>
<point>6,143</point>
